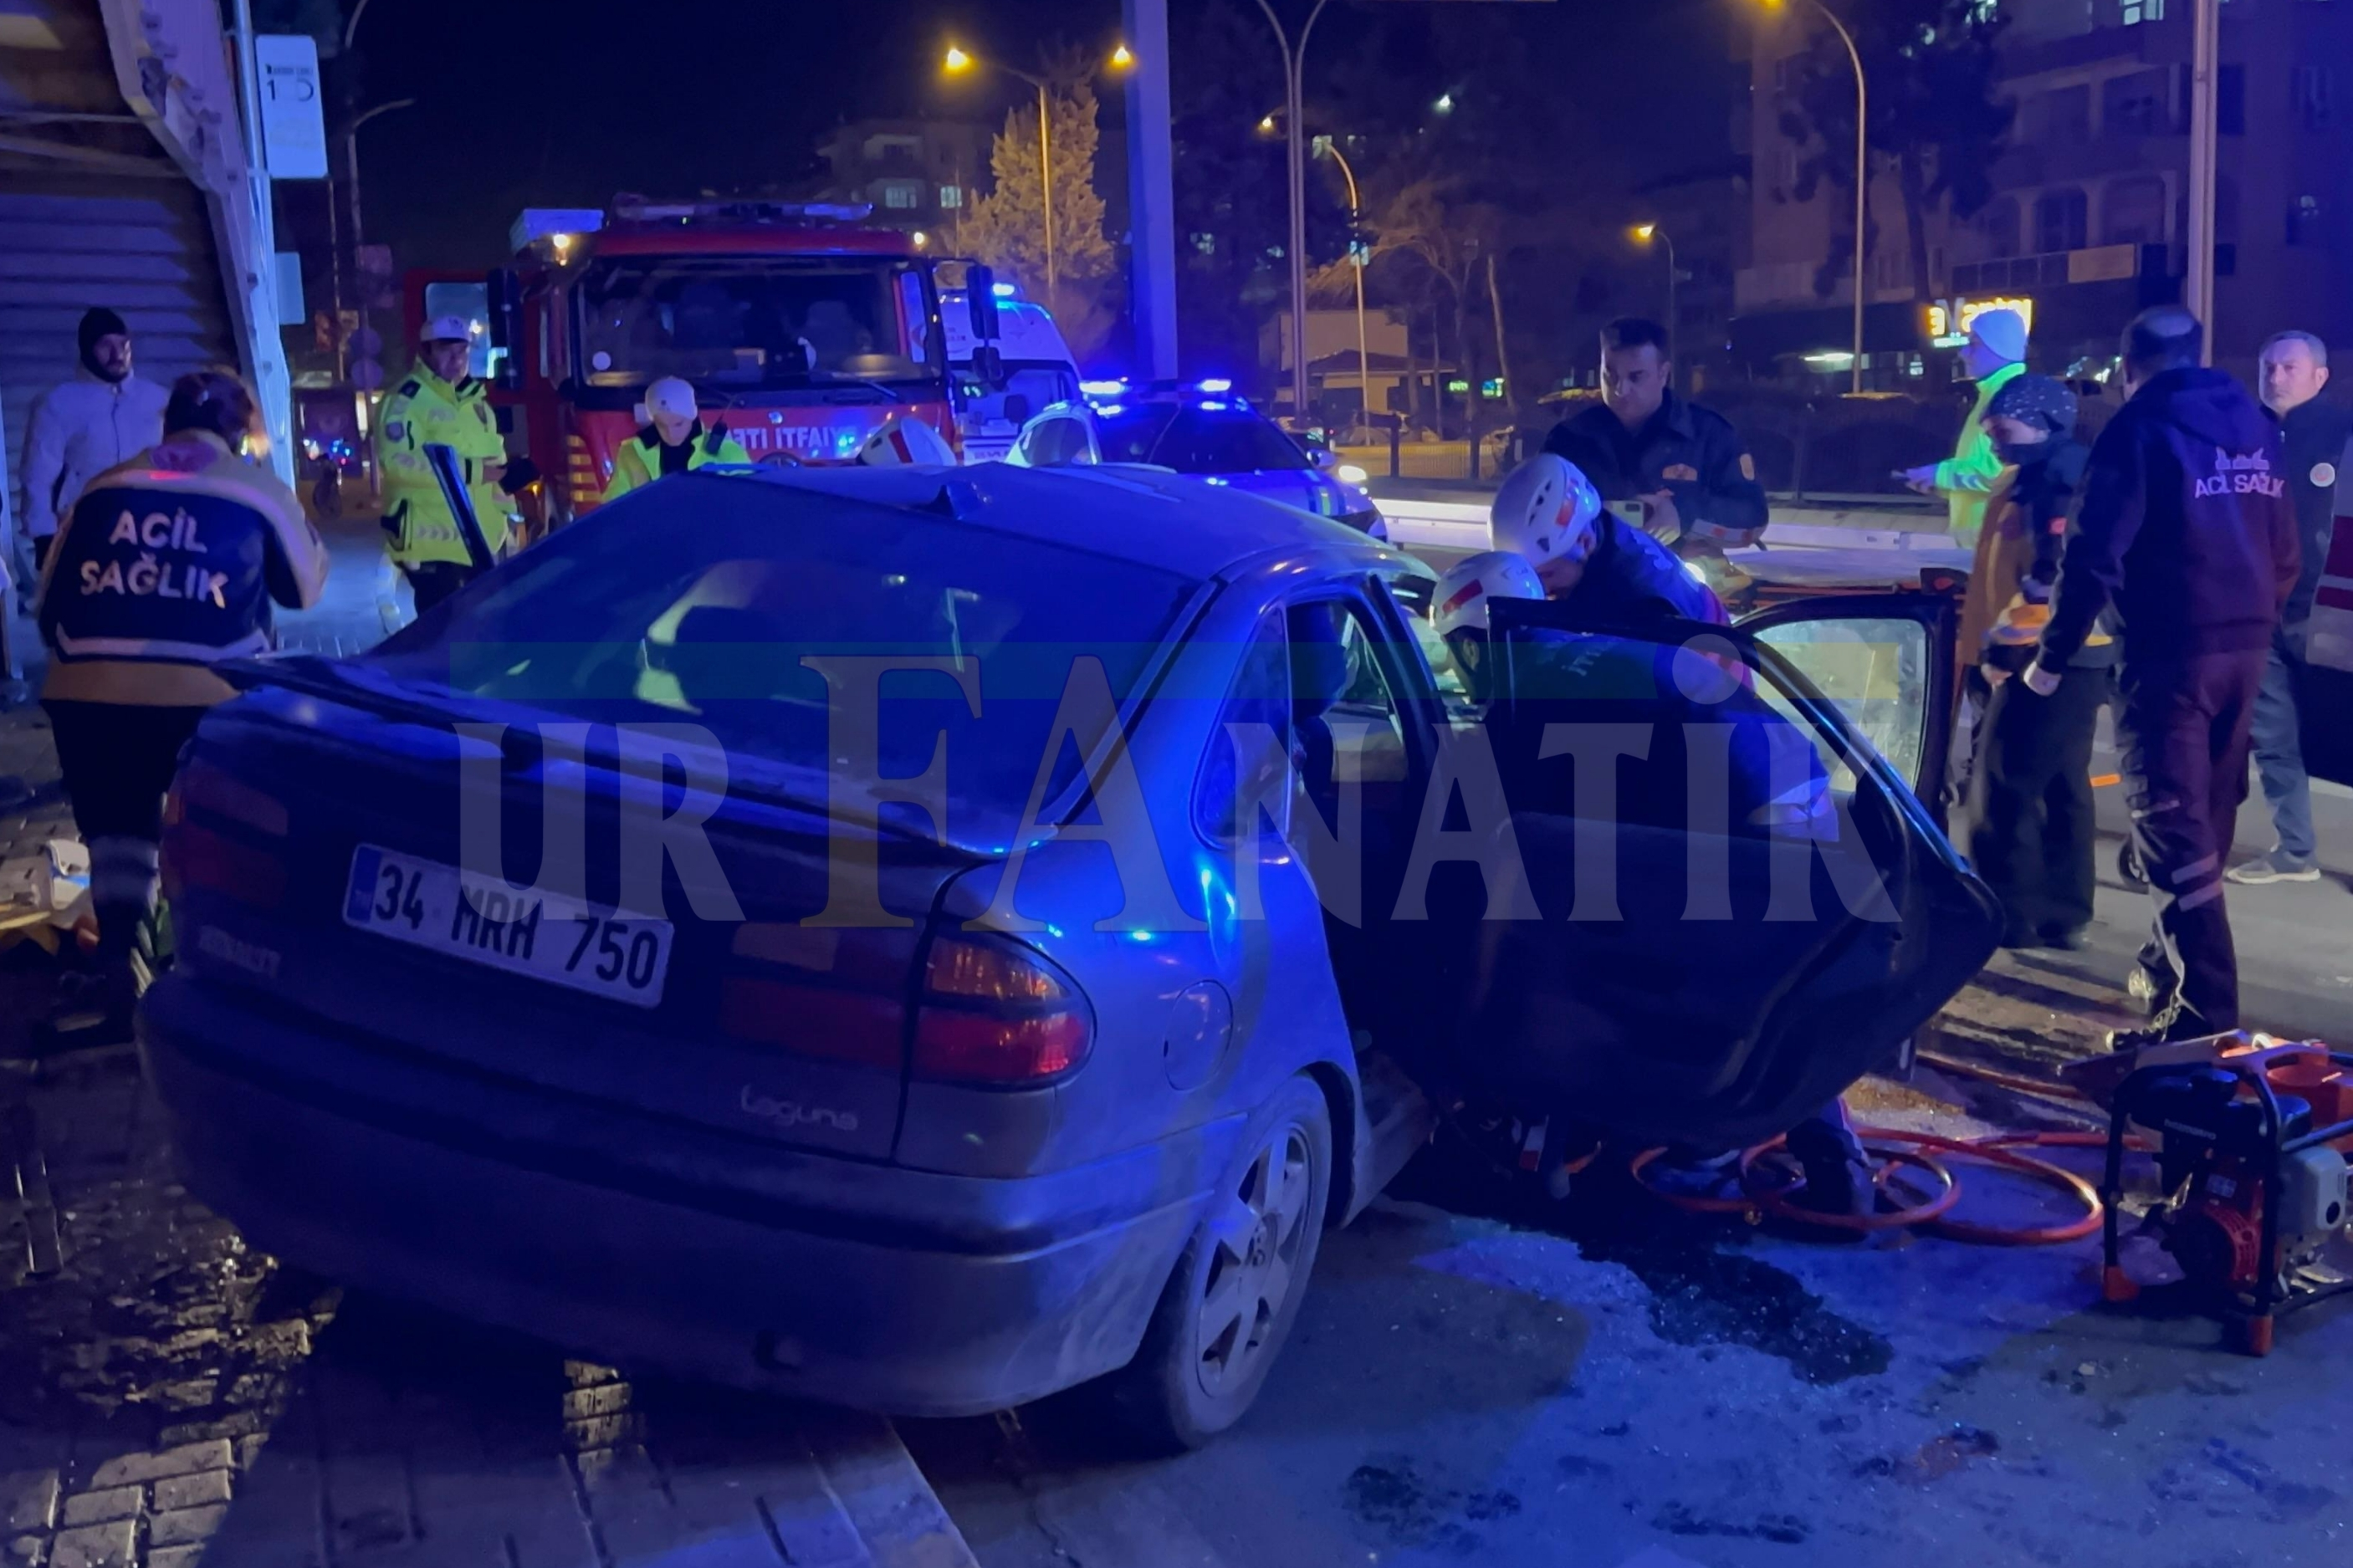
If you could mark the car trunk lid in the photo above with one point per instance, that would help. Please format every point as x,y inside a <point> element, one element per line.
<point>755,1024</point>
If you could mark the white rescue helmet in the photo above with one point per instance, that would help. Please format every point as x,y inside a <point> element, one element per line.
<point>447,330</point>
<point>1471,584</point>
<point>902,440</point>
<point>1545,510</point>
<point>672,396</point>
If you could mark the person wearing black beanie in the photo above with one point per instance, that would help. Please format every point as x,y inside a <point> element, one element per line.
<point>2031,834</point>
<point>86,426</point>
<point>105,345</point>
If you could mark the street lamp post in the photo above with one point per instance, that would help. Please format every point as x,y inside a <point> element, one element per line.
<point>1861,170</point>
<point>1295,59</point>
<point>2198,285</point>
<point>1356,258</point>
<point>1646,233</point>
<point>351,159</point>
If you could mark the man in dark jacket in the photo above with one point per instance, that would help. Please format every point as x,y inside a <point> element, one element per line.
<point>2186,532</point>
<point>2313,433</point>
<point>1683,467</point>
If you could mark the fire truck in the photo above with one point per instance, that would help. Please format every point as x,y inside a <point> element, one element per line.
<point>801,328</point>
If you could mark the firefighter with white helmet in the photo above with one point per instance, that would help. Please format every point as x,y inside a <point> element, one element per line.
<point>1553,539</point>
<point>440,403</point>
<point>1458,609</point>
<point>902,440</point>
<point>674,440</point>
<point>1548,513</point>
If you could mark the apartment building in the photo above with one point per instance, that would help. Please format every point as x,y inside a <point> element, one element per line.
<point>918,174</point>
<point>2088,221</point>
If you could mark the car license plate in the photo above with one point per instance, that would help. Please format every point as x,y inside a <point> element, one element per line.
<point>542,935</point>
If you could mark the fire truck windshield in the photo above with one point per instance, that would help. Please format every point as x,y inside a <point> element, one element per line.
<point>746,324</point>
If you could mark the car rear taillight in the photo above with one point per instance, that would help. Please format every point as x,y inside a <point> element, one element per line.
<point>994,1012</point>
<point>207,789</point>
<point>822,991</point>
<point>814,1020</point>
<point>209,821</point>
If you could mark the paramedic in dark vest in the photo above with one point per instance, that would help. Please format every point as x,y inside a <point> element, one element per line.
<point>168,564</point>
<point>2187,531</point>
<point>1686,467</point>
<point>674,440</point>
<point>439,405</point>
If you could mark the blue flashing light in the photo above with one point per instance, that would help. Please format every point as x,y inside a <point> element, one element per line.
<point>1111,410</point>
<point>1217,385</point>
<point>1214,406</point>
<point>1004,290</point>
<point>1213,480</point>
<point>1102,388</point>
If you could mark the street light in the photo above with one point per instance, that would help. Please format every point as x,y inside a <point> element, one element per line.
<point>1861,167</point>
<point>1356,259</point>
<point>957,60</point>
<point>1646,233</point>
<point>1294,62</point>
<point>1325,147</point>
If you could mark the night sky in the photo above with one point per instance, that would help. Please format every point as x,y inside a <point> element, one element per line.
<point>563,102</point>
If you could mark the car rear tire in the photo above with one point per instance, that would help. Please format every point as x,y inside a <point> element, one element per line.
<point>1227,1308</point>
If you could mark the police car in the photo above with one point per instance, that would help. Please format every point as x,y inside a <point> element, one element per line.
<point>1200,428</point>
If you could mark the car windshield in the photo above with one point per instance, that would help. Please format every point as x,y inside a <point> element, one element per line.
<point>745,323</point>
<point>704,602</point>
<point>1043,385</point>
<point>1199,439</point>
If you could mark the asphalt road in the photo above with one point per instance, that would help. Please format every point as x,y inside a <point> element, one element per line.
<point>1603,1385</point>
<point>1634,1395</point>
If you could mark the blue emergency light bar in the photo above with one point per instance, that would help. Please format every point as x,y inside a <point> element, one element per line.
<point>1218,384</point>
<point>1004,290</point>
<point>1102,388</point>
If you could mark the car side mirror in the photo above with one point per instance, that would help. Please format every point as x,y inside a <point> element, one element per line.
<point>1324,458</point>
<point>987,365</point>
<point>980,294</point>
<point>1017,407</point>
<point>504,290</point>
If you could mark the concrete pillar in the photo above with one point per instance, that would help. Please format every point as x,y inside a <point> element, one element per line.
<point>1150,191</point>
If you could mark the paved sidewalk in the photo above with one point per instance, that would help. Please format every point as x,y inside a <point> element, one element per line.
<point>169,1396</point>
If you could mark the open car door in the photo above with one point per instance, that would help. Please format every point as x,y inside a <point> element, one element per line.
<point>1714,903</point>
<point>1887,660</point>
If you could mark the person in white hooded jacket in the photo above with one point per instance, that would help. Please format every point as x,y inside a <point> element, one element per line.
<point>103,416</point>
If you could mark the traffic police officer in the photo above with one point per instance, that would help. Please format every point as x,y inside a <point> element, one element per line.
<point>440,403</point>
<point>674,440</point>
<point>1685,465</point>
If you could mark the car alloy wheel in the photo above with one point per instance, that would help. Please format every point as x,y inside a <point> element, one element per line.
<point>1229,1302</point>
<point>1255,1239</point>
